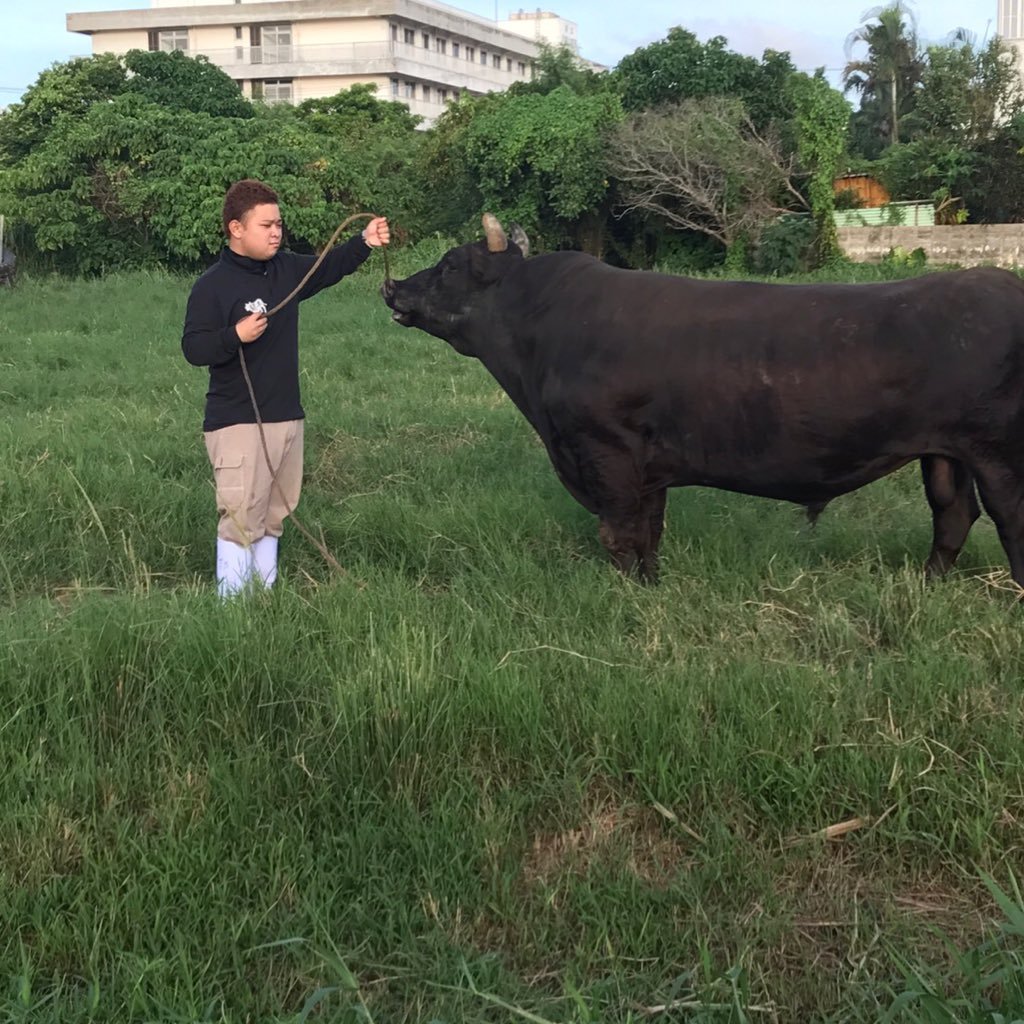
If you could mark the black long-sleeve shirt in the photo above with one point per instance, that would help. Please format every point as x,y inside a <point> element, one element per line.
<point>230,290</point>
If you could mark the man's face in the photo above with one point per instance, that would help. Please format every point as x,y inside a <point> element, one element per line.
<point>258,234</point>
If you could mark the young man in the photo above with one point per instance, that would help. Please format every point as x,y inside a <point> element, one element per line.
<point>226,310</point>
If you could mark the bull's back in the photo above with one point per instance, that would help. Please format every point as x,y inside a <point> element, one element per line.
<point>945,330</point>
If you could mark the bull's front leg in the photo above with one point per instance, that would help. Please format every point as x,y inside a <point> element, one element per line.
<point>631,534</point>
<point>621,538</point>
<point>603,478</point>
<point>656,518</point>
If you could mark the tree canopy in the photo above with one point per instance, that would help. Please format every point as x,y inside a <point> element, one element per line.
<point>686,147</point>
<point>681,67</point>
<point>888,74</point>
<point>101,169</point>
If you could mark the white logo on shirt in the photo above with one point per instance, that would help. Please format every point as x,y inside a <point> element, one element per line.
<point>256,306</point>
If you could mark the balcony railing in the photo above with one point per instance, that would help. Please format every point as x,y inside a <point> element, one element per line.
<point>387,53</point>
<point>273,54</point>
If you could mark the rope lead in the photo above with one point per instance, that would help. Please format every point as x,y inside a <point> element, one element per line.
<point>318,544</point>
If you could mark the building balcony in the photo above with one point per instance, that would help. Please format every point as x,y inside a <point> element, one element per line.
<point>369,58</point>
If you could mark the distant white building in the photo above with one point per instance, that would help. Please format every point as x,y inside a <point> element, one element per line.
<point>1010,26</point>
<point>547,27</point>
<point>542,26</point>
<point>418,52</point>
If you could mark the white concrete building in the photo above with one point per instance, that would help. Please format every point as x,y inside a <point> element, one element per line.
<point>418,52</point>
<point>542,26</point>
<point>1010,25</point>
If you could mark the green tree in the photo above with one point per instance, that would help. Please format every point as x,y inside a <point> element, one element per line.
<point>358,110</point>
<point>680,67</point>
<point>67,89</point>
<point>368,151</point>
<point>935,167</point>
<point>449,201</point>
<point>125,181</point>
<point>133,184</point>
<point>967,93</point>
<point>539,159</point>
<point>822,117</point>
<point>557,66</point>
<point>175,81</point>
<point>888,75</point>
<point>963,131</point>
<point>994,191</point>
<point>179,82</point>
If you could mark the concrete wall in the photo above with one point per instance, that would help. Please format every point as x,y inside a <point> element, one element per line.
<point>965,244</point>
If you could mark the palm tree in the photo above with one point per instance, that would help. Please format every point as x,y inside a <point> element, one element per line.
<point>893,66</point>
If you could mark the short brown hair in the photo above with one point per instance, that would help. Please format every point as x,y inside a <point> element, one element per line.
<point>242,197</point>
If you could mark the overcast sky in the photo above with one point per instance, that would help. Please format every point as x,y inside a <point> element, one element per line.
<point>813,31</point>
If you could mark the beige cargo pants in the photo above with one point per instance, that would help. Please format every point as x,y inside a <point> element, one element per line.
<point>248,505</point>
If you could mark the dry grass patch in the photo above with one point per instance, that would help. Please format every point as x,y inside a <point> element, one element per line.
<point>609,836</point>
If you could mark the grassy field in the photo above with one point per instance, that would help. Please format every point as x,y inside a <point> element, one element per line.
<point>482,778</point>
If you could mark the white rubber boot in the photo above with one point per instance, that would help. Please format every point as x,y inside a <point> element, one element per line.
<point>234,567</point>
<point>264,553</point>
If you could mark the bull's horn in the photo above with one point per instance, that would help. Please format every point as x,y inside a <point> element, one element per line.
<point>496,238</point>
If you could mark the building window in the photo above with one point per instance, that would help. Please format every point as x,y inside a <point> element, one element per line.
<point>426,94</point>
<point>508,64</point>
<point>270,44</point>
<point>410,90</point>
<point>394,33</point>
<point>442,95</point>
<point>410,36</point>
<point>442,46</point>
<point>277,44</point>
<point>168,39</point>
<point>483,56</point>
<point>522,68</point>
<point>455,49</point>
<point>496,61</point>
<point>470,53</point>
<point>426,40</point>
<point>238,31</point>
<point>394,87</point>
<point>455,94</point>
<point>277,90</point>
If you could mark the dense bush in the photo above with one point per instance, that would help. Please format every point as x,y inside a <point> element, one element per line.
<point>786,247</point>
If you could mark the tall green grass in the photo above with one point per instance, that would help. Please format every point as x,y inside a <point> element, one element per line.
<point>481,777</point>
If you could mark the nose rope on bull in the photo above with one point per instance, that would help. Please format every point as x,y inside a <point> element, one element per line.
<point>318,544</point>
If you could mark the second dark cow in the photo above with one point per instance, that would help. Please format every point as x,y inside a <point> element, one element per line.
<point>637,382</point>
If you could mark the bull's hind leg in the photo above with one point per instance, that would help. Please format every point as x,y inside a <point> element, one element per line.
<point>1002,494</point>
<point>949,486</point>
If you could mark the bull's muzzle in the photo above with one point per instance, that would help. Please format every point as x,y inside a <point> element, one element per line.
<point>389,292</point>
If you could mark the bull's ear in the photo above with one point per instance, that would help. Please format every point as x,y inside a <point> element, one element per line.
<point>518,235</point>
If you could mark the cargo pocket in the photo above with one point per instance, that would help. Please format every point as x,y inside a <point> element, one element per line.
<point>229,478</point>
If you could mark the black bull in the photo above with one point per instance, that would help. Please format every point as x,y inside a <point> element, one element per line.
<point>637,382</point>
